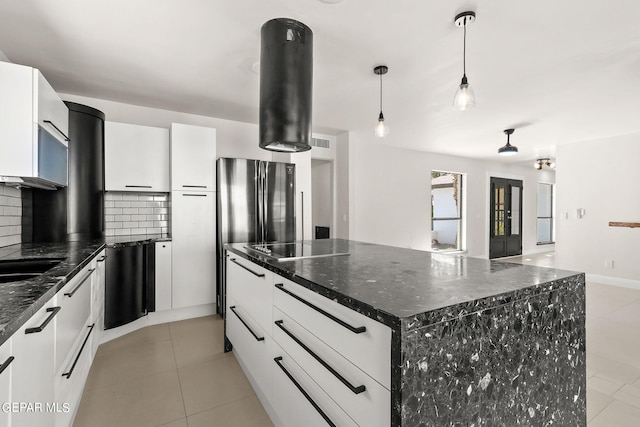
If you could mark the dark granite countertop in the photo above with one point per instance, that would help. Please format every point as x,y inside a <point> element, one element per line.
<point>406,289</point>
<point>21,299</point>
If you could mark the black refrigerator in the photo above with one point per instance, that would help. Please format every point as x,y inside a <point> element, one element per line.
<point>256,205</point>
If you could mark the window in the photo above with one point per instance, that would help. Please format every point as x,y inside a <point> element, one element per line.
<point>545,214</point>
<point>446,211</point>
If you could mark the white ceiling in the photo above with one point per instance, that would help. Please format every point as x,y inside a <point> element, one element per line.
<point>557,71</point>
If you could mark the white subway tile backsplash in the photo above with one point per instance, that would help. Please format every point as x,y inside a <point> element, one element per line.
<point>136,213</point>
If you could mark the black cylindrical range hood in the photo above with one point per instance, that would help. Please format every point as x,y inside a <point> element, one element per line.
<point>286,77</point>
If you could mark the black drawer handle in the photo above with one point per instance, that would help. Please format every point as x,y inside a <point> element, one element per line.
<point>101,259</point>
<point>194,186</point>
<point>68,374</point>
<point>53,311</point>
<point>138,186</point>
<point>6,364</point>
<point>84,279</point>
<point>194,195</point>
<point>356,390</point>
<point>66,138</point>
<point>354,329</point>
<point>233,260</point>
<point>232,308</point>
<point>304,393</point>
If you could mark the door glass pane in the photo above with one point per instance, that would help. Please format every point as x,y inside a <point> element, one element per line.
<point>446,210</point>
<point>499,212</point>
<point>515,210</point>
<point>544,200</point>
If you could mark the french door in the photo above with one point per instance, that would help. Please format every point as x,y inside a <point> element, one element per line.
<point>505,237</point>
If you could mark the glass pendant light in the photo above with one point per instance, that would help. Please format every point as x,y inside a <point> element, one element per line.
<point>382,129</point>
<point>508,149</point>
<point>465,97</point>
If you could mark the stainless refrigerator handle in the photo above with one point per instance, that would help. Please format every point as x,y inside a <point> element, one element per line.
<point>302,211</point>
<point>265,197</point>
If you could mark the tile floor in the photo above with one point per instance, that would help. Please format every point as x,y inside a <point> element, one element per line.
<point>172,375</point>
<point>177,375</point>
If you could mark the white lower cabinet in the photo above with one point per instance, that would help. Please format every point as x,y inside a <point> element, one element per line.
<point>97,301</point>
<point>163,276</point>
<point>33,347</point>
<point>299,401</point>
<point>6,360</point>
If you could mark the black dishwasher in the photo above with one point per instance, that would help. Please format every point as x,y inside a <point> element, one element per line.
<point>130,282</point>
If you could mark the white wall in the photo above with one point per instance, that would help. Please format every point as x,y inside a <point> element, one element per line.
<point>322,186</point>
<point>390,195</point>
<point>342,186</point>
<point>601,177</point>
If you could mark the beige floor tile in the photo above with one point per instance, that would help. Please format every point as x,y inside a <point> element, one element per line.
<point>133,361</point>
<point>212,384</point>
<point>178,423</point>
<point>605,299</point>
<point>610,339</point>
<point>596,402</point>
<point>617,414</point>
<point>629,394</point>
<point>150,401</point>
<point>604,385</point>
<point>97,407</point>
<point>197,340</point>
<point>610,369</point>
<point>155,333</point>
<point>247,412</point>
<point>629,314</point>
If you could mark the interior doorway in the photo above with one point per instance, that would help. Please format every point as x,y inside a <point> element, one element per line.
<point>322,198</point>
<point>505,218</point>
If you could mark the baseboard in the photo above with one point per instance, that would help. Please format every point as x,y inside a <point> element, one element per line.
<point>615,281</point>
<point>158,317</point>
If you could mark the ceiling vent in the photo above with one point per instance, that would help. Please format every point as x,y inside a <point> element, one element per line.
<point>320,143</point>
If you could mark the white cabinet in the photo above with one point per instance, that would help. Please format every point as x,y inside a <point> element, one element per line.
<point>33,347</point>
<point>6,360</point>
<point>97,300</point>
<point>252,286</point>
<point>163,276</point>
<point>193,234</point>
<point>136,158</point>
<point>28,101</point>
<point>193,158</point>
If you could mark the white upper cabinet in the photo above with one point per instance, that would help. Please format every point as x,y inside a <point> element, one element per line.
<point>27,101</point>
<point>136,158</point>
<point>193,158</point>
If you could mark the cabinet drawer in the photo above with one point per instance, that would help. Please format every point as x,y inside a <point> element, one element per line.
<point>361,340</point>
<point>250,285</point>
<point>298,400</point>
<point>75,302</point>
<point>359,395</point>
<point>250,344</point>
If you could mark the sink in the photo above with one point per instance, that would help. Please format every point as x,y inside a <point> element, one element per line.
<point>13,270</point>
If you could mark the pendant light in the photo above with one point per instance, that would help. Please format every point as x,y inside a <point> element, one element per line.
<point>464,98</point>
<point>382,129</point>
<point>508,149</point>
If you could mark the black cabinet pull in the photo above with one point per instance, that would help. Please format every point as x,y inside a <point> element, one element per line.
<point>101,259</point>
<point>68,374</point>
<point>354,329</point>
<point>232,308</point>
<point>194,195</point>
<point>66,138</point>
<point>53,311</point>
<point>304,393</point>
<point>138,186</point>
<point>356,390</point>
<point>233,260</point>
<point>84,279</point>
<point>6,364</point>
<point>194,186</point>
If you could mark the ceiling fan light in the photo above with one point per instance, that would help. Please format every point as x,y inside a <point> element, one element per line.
<point>508,150</point>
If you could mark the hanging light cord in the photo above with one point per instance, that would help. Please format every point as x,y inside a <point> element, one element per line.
<point>464,49</point>
<point>381,92</point>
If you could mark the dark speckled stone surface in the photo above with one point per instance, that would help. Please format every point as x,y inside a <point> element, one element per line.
<point>474,341</point>
<point>21,299</point>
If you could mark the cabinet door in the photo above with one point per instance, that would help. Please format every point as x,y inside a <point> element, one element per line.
<point>193,158</point>
<point>52,114</point>
<point>33,367</point>
<point>163,276</point>
<point>16,120</point>
<point>97,301</point>
<point>5,380</point>
<point>193,248</point>
<point>136,158</point>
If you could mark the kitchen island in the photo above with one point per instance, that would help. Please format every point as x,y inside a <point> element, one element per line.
<point>472,341</point>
